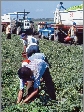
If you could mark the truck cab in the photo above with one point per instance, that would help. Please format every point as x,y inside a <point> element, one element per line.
<point>27,24</point>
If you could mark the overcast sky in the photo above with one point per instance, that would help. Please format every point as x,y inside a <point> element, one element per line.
<point>37,9</point>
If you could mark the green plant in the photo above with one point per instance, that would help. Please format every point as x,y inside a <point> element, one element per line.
<point>66,71</point>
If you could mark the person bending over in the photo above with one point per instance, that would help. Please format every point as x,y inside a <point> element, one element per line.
<point>34,71</point>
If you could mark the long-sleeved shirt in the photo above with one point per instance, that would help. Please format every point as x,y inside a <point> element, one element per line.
<point>38,67</point>
<point>59,6</point>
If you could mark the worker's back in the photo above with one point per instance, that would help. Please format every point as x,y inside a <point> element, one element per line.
<point>31,40</point>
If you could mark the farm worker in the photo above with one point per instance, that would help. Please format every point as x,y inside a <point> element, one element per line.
<point>57,17</point>
<point>35,70</point>
<point>26,61</point>
<point>8,31</point>
<point>32,39</point>
<point>73,32</point>
<point>30,44</point>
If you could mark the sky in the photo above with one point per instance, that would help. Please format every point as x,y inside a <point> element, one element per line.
<point>37,9</point>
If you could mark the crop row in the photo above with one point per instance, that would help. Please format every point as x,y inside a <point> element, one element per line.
<point>66,70</point>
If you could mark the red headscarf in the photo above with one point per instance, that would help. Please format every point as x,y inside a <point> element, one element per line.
<point>26,60</point>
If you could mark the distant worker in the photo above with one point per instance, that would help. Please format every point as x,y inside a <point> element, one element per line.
<point>3,27</point>
<point>72,33</point>
<point>30,44</point>
<point>57,18</point>
<point>8,31</point>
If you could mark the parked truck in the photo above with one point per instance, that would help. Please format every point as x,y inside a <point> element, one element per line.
<point>45,30</point>
<point>26,26</point>
<point>18,25</point>
<point>67,19</point>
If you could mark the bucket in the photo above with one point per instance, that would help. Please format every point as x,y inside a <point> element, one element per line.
<point>67,38</point>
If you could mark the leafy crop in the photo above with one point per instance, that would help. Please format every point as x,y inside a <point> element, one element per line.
<point>76,7</point>
<point>66,71</point>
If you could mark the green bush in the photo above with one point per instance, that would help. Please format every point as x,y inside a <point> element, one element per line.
<point>66,71</point>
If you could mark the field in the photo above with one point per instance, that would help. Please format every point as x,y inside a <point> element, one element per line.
<point>66,70</point>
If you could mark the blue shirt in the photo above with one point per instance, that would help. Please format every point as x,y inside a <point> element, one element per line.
<point>37,56</point>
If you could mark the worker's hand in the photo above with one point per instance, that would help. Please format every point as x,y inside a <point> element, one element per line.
<point>18,102</point>
<point>22,102</point>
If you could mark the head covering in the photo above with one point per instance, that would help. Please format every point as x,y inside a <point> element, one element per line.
<point>74,23</point>
<point>24,73</point>
<point>26,60</point>
<point>23,35</point>
<point>61,2</point>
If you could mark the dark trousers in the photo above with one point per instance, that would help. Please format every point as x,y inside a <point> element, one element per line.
<point>50,90</point>
<point>49,84</point>
<point>9,36</point>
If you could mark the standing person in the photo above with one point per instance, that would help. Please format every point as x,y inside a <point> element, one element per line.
<point>57,17</point>
<point>31,45</point>
<point>73,32</point>
<point>34,71</point>
<point>8,31</point>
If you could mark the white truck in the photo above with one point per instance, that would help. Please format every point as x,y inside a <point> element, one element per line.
<point>27,26</point>
<point>67,19</point>
<point>18,25</point>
